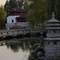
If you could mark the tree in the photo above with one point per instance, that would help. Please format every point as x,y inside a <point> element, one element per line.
<point>10,4</point>
<point>23,4</point>
<point>52,6</point>
<point>26,4</point>
<point>35,14</point>
<point>20,3</point>
<point>13,4</point>
<point>6,6</point>
<point>2,16</point>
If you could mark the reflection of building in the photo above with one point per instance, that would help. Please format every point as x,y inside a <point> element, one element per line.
<point>52,42</point>
<point>17,19</point>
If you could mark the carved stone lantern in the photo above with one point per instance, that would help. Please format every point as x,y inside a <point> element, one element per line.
<point>52,42</point>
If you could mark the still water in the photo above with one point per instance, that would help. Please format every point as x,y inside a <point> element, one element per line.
<point>17,50</point>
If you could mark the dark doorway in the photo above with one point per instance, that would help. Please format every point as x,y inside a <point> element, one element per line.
<point>12,21</point>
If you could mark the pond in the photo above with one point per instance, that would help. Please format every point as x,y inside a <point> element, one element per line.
<point>16,49</point>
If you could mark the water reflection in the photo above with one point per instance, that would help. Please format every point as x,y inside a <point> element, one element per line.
<point>25,45</point>
<point>18,49</point>
<point>14,47</point>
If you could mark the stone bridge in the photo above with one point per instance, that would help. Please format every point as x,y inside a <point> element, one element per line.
<point>21,32</point>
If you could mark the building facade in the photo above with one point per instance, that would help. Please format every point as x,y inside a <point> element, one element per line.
<point>16,19</point>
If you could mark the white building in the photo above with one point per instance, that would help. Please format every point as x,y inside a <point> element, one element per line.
<point>14,22</point>
<point>52,42</point>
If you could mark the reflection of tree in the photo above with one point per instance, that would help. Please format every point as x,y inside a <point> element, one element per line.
<point>22,46</point>
<point>15,47</point>
<point>26,45</point>
<point>7,46</point>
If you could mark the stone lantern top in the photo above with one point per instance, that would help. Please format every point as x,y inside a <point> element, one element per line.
<point>53,15</point>
<point>53,19</point>
<point>53,24</point>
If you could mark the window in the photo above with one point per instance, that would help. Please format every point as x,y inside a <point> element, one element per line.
<point>48,31</point>
<point>55,43</point>
<point>48,42</point>
<point>54,31</point>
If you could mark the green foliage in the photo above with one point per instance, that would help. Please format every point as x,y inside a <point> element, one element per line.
<point>10,4</point>
<point>2,16</point>
<point>35,14</point>
<point>26,6</point>
<point>52,6</point>
<point>20,3</point>
<point>13,4</point>
<point>6,6</point>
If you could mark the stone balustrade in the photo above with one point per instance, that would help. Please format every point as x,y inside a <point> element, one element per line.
<point>16,32</point>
